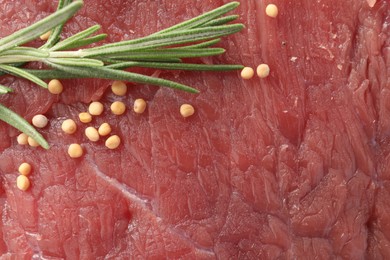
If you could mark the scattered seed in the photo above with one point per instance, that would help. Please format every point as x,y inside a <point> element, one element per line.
<point>39,121</point>
<point>262,70</point>
<point>271,10</point>
<point>55,86</point>
<point>69,126</point>
<point>118,108</point>
<point>119,88</point>
<point>24,169</point>
<point>187,110</point>
<point>32,142</point>
<point>85,117</point>
<point>113,142</point>
<point>45,36</point>
<point>104,129</point>
<point>247,73</point>
<point>139,106</point>
<point>92,134</point>
<point>22,139</point>
<point>95,108</point>
<point>22,182</point>
<point>75,151</point>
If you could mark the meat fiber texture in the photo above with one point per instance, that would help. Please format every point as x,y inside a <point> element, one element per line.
<point>294,166</point>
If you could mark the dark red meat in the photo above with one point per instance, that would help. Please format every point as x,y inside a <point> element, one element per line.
<point>294,166</point>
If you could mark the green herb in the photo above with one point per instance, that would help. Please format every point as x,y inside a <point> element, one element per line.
<point>166,49</point>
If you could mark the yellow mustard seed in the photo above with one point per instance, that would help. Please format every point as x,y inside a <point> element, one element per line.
<point>39,121</point>
<point>24,168</point>
<point>271,10</point>
<point>22,139</point>
<point>119,88</point>
<point>55,86</point>
<point>263,70</point>
<point>139,106</point>
<point>187,110</point>
<point>22,182</point>
<point>75,151</point>
<point>95,108</point>
<point>113,142</point>
<point>104,129</point>
<point>32,142</point>
<point>92,134</point>
<point>45,36</point>
<point>85,117</point>
<point>69,126</point>
<point>118,108</point>
<point>247,73</point>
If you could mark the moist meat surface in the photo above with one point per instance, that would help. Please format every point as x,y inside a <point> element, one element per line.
<point>294,166</point>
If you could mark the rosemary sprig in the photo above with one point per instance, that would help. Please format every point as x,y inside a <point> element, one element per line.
<point>166,49</point>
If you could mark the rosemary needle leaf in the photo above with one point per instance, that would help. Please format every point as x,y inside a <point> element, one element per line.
<point>56,31</point>
<point>202,19</point>
<point>23,74</point>
<point>21,124</point>
<point>5,90</point>
<point>78,62</point>
<point>28,51</point>
<point>221,21</point>
<point>86,41</point>
<point>7,59</point>
<point>201,45</point>
<point>175,66</point>
<point>22,54</point>
<point>159,59</point>
<point>169,53</point>
<point>51,74</point>
<point>107,73</point>
<point>62,45</point>
<point>33,31</point>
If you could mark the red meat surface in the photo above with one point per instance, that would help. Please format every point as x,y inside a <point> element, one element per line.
<point>294,166</point>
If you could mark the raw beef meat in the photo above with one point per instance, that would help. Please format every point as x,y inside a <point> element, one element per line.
<point>294,166</point>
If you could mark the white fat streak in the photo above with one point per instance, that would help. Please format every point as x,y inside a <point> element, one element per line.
<point>145,205</point>
<point>127,192</point>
